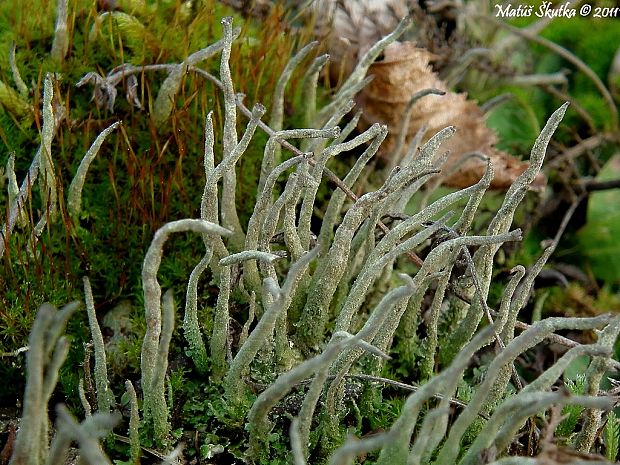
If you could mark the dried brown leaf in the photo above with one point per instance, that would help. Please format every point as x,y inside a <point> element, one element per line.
<point>555,455</point>
<point>403,71</point>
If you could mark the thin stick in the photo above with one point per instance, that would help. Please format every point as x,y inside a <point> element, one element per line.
<point>376,379</point>
<point>587,144</point>
<point>592,185</point>
<point>482,300</point>
<point>408,387</point>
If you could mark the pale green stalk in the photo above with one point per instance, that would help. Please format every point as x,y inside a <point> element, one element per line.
<point>346,358</point>
<point>50,379</point>
<point>246,255</point>
<point>163,105</point>
<point>208,202</point>
<point>47,178</point>
<point>43,360</point>
<point>594,375</point>
<point>208,212</point>
<point>396,442</point>
<point>338,198</point>
<point>309,88</point>
<point>152,348</point>
<point>366,61</point>
<point>83,400</point>
<point>348,129</point>
<point>258,423</point>
<point>230,159</point>
<point>60,445</point>
<point>373,267</point>
<point>273,145</point>
<point>518,409</point>
<point>277,99</point>
<point>219,338</point>
<point>516,303</point>
<point>315,390</point>
<point>546,380</point>
<point>135,451</point>
<point>251,277</point>
<point>270,224</point>
<point>296,444</point>
<point>314,317</point>
<point>353,447</point>
<point>307,205</point>
<point>289,226</point>
<point>317,146</point>
<point>469,212</point>
<point>60,44</point>
<point>403,129</point>
<point>412,151</point>
<point>105,397</point>
<point>400,202</point>
<point>331,269</point>
<point>13,191</point>
<point>498,390</point>
<point>191,327</point>
<point>437,259</point>
<point>251,315</point>
<point>17,78</point>
<point>87,434</point>
<point>233,382</point>
<point>355,82</point>
<point>173,458</point>
<point>155,407</point>
<point>427,366</point>
<point>483,258</point>
<point>74,199</point>
<point>431,433</point>
<point>230,219</point>
<point>227,165</point>
<point>388,248</point>
<point>220,335</point>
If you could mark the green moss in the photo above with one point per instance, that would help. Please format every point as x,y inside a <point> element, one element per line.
<point>142,176</point>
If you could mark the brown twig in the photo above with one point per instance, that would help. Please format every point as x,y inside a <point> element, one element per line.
<point>585,145</point>
<point>408,387</point>
<point>592,185</point>
<point>374,379</point>
<point>148,450</point>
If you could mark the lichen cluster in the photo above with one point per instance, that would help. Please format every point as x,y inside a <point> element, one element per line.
<point>329,304</point>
